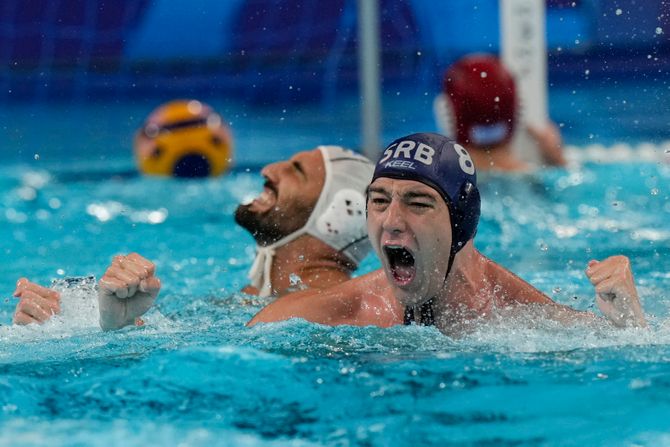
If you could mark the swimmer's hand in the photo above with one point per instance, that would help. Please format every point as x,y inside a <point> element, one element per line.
<point>616,295</point>
<point>549,142</point>
<point>126,291</point>
<point>36,303</point>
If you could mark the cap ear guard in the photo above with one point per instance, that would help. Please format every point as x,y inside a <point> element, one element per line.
<point>469,200</point>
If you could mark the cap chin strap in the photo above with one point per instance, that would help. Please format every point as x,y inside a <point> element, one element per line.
<point>260,273</point>
<point>452,257</point>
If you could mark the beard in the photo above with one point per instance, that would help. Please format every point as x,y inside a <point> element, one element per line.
<point>266,228</point>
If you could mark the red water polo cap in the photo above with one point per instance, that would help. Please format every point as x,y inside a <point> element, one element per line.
<point>483,97</point>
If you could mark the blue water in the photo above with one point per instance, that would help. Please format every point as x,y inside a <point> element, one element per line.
<point>587,110</point>
<point>196,376</point>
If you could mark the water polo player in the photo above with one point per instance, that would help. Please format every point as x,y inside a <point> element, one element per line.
<point>479,108</point>
<point>423,210</point>
<point>309,220</point>
<point>309,223</point>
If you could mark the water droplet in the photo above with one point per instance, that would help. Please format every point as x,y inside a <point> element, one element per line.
<point>483,74</point>
<point>556,289</point>
<point>37,156</point>
<point>294,279</point>
<point>659,30</point>
<point>654,191</point>
<point>497,99</point>
<point>619,12</point>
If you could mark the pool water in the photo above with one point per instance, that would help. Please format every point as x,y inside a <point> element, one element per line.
<point>194,375</point>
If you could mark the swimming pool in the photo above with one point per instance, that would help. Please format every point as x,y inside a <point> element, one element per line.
<point>196,376</point>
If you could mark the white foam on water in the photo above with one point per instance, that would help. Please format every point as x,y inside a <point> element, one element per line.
<point>21,431</point>
<point>79,315</point>
<point>531,333</point>
<point>619,153</point>
<point>79,310</point>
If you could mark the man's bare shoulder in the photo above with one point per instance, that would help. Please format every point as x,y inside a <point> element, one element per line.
<point>365,300</point>
<point>514,289</point>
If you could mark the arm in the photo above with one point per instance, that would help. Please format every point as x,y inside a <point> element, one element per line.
<point>126,291</point>
<point>519,292</point>
<point>549,142</point>
<point>359,302</point>
<point>616,295</point>
<point>36,304</point>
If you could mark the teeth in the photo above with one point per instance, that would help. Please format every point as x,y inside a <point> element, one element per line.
<point>265,198</point>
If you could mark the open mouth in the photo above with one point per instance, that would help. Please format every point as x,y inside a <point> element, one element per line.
<point>267,199</point>
<point>401,262</point>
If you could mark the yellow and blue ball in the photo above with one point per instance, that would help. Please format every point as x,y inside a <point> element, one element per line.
<point>184,138</point>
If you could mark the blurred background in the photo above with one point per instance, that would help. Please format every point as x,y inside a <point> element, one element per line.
<point>77,77</point>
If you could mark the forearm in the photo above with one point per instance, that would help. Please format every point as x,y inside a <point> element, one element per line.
<point>568,316</point>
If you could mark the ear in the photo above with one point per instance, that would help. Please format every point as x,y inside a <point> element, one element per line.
<point>444,116</point>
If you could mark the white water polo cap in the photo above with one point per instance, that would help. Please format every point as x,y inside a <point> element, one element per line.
<point>338,218</point>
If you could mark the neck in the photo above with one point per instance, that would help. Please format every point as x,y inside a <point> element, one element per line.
<point>316,264</point>
<point>497,158</point>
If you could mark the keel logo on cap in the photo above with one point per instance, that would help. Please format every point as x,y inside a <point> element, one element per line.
<point>407,149</point>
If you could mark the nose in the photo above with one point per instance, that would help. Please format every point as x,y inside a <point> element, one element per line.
<point>274,168</point>
<point>394,221</point>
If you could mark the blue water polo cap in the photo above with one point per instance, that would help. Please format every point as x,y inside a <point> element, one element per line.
<point>445,166</point>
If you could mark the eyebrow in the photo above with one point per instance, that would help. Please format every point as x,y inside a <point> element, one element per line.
<point>410,195</point>
<point>377,189</point>
<point>419,195</point>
